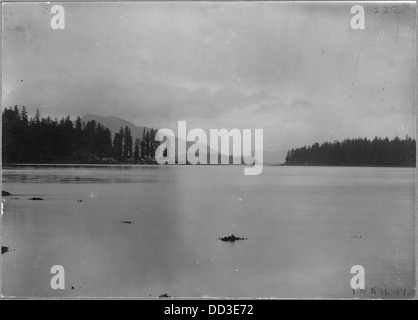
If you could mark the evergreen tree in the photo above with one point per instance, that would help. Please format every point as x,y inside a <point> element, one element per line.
<point>45,140</point>
<point>37,119</point>
<point>356,152</point>
<point>78,124</point>
<point>24,116</point>
<point>118,145</point>
<point>147,144</point>
<point>143,145</point>
<point>136,149</point>
<point>152,143</point>
<point>127,143</point>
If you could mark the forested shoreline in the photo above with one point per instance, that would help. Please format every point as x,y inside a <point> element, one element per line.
<point>46,140</point>
<point>356,152</point>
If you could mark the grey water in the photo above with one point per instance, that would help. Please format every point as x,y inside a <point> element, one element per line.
<point>306,228</point>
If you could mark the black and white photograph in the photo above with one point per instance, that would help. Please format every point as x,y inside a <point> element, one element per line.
<point>208,150</point>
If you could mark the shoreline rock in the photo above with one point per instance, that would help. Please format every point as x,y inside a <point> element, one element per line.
<point>5,193</point>
<point>5,250</point>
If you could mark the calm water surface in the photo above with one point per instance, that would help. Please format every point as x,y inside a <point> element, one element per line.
<point>307,226</point>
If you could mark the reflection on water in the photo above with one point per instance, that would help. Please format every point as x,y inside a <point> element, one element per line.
<point>79,174</point>
<point>306,227</point>
<point>58,178</point>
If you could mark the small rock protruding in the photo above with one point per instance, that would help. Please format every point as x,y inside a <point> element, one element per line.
<point>6,249</point>
<point>232,238</point>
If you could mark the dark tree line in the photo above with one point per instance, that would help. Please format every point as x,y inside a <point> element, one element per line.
<point>357,152</point>
<point>43,140</point>
<point>140,150</point>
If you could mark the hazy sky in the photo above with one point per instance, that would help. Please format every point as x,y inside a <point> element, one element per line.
<point>298,71</point>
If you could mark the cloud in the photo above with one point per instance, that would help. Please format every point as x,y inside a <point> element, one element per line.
<point>300,104</point>
<point>296,69</point>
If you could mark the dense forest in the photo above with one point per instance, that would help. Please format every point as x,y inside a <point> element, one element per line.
<point>356,152</point>
<point>43,140</point>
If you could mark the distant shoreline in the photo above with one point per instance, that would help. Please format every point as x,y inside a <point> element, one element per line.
<point>345,165</point>
<point>176,164</point>
<point>117,164</point>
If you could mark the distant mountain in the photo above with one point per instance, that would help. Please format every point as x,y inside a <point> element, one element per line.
<point>274,157</point>
<point>115,123</point>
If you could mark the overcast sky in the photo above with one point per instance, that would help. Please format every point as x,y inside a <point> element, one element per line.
<point>298,71</point>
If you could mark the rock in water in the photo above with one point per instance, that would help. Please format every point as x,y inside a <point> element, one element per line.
<point>232,238</point>
<point>4,250</point>
<point>5,193</point>
<point>36,198</point>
